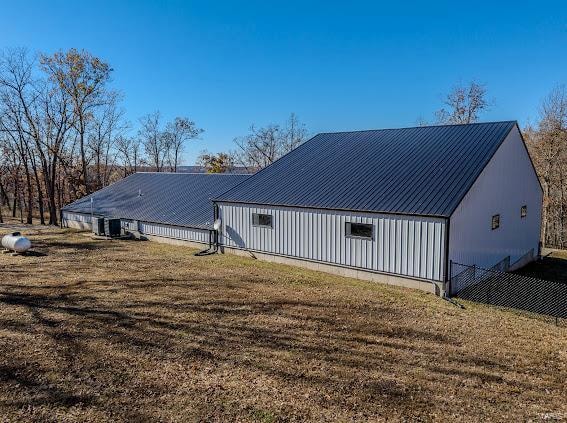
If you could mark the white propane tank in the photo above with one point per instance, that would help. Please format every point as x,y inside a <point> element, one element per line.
<point>16,242</point>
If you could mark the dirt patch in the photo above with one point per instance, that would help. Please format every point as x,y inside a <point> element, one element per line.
<point>125,330</point>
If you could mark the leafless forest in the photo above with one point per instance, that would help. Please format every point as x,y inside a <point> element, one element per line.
<point>547,142</point>
<point>63,134</point>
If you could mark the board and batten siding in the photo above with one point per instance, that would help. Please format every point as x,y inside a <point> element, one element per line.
<point>403,245</point>
<point>146,228</point>
<point>507,183</point>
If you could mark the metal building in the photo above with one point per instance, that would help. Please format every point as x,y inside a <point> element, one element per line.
<point>160,206</point>
<point>393,205</point>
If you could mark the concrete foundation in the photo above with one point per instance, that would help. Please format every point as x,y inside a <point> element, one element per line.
<point>433,287</point>
<point>174,241</point>
<point>524,260</point>
<point>423,285</point>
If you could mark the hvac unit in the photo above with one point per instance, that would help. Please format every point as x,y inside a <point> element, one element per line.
<point>112,227</point>
<point>98,225</point>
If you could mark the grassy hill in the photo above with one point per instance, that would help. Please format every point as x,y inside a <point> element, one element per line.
<point>126,330</point>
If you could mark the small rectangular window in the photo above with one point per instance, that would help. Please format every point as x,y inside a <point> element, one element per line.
<point>263,220</point>
<point>523,211</point>
<point>359,230</point>
<point>495,221</point>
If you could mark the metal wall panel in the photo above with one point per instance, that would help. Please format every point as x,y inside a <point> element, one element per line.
<point>75,217</point>
<point>507,183</point>
<point>404,245</point>
<point>174,232</point>
<point>147,228</point>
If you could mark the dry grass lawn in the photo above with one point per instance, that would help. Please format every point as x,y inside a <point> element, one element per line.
<point>126,330</point>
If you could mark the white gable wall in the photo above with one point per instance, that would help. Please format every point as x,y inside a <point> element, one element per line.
<point>506,184</point>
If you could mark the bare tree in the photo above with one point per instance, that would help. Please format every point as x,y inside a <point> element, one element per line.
<point>54,153</point>
<point>263,146</point>
<point>130,153</point>
<point>548,147</point>
<point>464,104</point>
<point>4,170</point>
<point>106,126</point>
<point>37,112</point>
<point>84,78</point>
<point>16,100</point>
<point>176,134</point>
<point>153,140</point>
<point>294,134</point>
<point>259,148</point>
<point>62,133</point>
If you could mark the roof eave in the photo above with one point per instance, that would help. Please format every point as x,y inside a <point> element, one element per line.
<point>314,207</point>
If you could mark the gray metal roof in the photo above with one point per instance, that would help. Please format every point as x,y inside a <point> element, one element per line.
<point>421,171</point>
<point>182,199</point>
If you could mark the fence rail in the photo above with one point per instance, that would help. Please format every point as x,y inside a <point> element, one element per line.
<point>499,288</point>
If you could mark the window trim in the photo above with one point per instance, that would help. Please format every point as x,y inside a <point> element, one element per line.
<point>523,211</point>
<point>256,216</point>
<point>497,217</point>
<point>348,231</point>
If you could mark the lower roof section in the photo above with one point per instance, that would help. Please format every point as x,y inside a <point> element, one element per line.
<point>182,199</point>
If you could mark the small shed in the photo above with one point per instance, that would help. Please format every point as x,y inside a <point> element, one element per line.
<point>160,206</point>
<point>392,205</point>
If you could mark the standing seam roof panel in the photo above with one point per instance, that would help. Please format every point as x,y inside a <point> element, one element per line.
<point>180,199</point>
<point>421,170</point>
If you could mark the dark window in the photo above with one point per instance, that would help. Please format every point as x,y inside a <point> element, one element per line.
<point>523,211</point>
<point>264,220</point>
<point>359,230</point>
<point>495,221</point>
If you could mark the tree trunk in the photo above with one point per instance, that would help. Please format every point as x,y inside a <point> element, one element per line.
<point>15,198</point>
<point>544,212</point>
<point>83,156</point>
<point>52,194</point>
<point>39,196</point>
<point>4,200</point>
<point>29,215</point>
<point>20,207</point>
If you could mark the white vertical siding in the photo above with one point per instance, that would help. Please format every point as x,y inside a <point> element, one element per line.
<point>75,217</point>
<point>404,245</point>
<point>148,228</point>
<point>506,184</point>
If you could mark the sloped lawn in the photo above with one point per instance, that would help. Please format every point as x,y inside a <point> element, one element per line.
<point>125,330</point>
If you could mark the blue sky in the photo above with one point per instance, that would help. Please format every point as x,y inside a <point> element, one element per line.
<point>337,65</point>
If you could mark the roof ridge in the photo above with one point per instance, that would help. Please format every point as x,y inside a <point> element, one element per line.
<point>194,173</point>
<point>418,126</point>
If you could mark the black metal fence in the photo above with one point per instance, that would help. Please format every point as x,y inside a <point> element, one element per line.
<point>495,287</point>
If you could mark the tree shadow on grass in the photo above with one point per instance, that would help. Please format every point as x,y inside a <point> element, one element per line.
<point>349,353</point>
<point>40,393</point>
